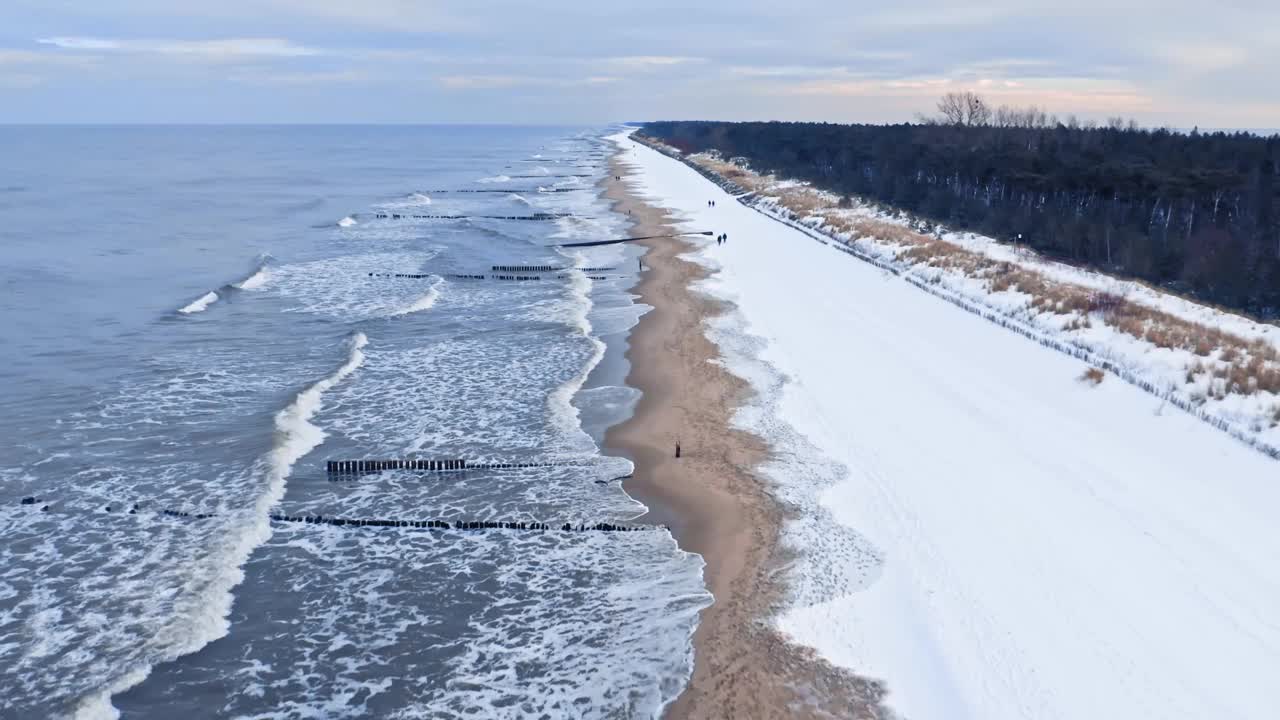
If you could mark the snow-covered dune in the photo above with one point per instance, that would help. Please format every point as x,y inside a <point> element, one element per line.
<point>1003,540</point>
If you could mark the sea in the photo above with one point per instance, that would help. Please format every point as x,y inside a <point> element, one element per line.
<point>196,320</point>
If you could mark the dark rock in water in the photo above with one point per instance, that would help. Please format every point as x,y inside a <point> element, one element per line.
<point>108,508</point>
<point>28,501</point>
<point>44,509</point>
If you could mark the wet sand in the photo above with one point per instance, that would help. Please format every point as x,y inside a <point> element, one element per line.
<point>713,500</point>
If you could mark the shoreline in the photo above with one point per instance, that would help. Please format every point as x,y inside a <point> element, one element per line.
<point>712,499</point>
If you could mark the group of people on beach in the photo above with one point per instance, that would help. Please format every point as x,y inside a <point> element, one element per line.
<point>724,237</point>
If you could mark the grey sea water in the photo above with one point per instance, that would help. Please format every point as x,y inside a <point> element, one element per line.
<point>195,319</point>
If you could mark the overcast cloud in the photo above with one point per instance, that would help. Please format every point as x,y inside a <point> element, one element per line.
<point>1171,63</point>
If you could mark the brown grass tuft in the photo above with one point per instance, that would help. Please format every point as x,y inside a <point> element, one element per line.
<point>1093,376</point>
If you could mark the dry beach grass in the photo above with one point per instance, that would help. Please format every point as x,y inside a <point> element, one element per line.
<point>1227,364</point>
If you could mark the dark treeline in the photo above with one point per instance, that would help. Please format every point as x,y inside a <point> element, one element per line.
<point>1196,212</point>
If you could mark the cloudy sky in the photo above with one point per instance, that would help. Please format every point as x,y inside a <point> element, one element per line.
<point>1164,62</point>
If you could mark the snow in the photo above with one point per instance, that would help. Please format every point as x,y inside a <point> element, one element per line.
<point>1251,416</point>
<point>979,529</point>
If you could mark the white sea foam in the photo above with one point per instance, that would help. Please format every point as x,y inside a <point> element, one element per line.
<point>200,303</point>
<point>412,200</point>
<point>340,287</point>
<point>495,179</point>
<point>563,412</point>
<point>254,281</point>
<point>201,616</point>
<point>580,227</point>
<point>347,221</point>
<point>297,436</point>
<point>98,706</point>
<point>607,321</point>
<point>520,199</point>
<point>426,302</point>
<point>611,613</point>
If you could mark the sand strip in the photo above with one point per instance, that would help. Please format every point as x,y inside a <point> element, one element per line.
<point>712,499</point>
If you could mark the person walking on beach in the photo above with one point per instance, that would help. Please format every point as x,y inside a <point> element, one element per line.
<point>677,449</point>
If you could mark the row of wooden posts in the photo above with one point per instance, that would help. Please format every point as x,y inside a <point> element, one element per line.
<point>508,191</point>
<point>384,522</point>
<point>360,466</point>
<point>340,467</point>
<point>546,268</point>
<point>460,524</point>
<point>408,216</point>
<point>456,276</point>
<point>541,277</point>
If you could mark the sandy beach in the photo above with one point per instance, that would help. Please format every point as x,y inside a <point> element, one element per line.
<point>713,501</point>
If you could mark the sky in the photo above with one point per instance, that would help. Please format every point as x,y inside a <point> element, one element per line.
<point>1169,63</point>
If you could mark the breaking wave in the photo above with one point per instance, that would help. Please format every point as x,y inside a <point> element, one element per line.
<point>254,281</point>
<point>564,414</point>
<point>426,302</point>
<point>199,304</point>
<point>204,617</point>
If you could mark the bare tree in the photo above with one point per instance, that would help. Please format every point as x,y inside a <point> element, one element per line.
<point>970,109</point>
<point>978,112</point>
<point>953,106</point>
<point>1005,117</point>
<point>964,108</point>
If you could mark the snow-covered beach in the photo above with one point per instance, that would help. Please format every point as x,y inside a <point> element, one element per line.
<point>976,527</point>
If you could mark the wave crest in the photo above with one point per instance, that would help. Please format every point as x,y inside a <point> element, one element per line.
<point>199,304</point>
<point>426,302</point>
<point>254,281</point>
